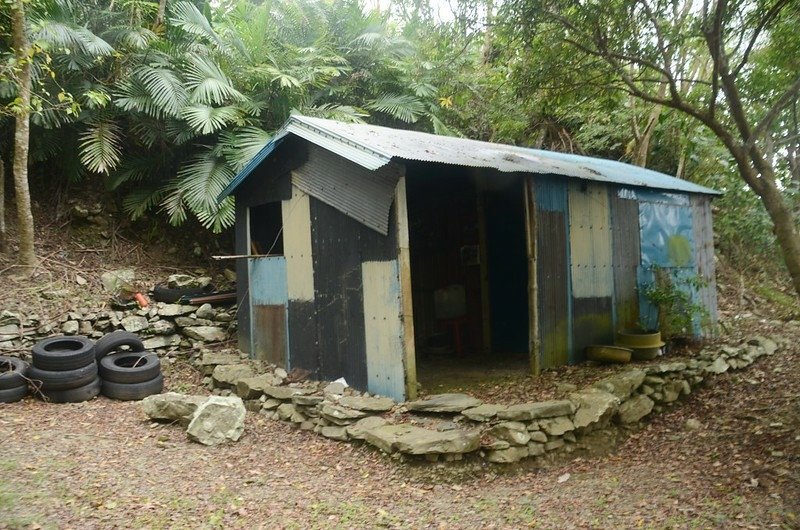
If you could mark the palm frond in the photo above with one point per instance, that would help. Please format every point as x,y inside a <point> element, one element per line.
<point>223,217</point>
<point>439,127</point>
<point>137,203</point>
<point>400,106</point>
<point>206,120</point>
<point>196,188</point>
<point>136,168</point>
<point>186,16</point>
<point>330,111</point>
<point>208,83</point>
<point>100,147</point>
<point>157,92</point>
<point>135,38</point>
<point>72,37</point>
<point>239,146</point>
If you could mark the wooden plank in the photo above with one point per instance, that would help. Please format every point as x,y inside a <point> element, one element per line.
<point>533,284</point>
<point>408,345</point>
<point>486,309</point>
<point>296,214</point>
<point>383,325</point>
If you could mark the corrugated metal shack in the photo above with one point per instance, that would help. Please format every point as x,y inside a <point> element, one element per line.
<point>356,233</point>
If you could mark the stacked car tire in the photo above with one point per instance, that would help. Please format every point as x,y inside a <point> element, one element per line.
<point>128,374</point>
<point>70,369</point>
<point>64,369</point>
<point>13,379</point>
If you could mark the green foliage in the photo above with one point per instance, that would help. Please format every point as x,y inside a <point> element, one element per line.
<point>674,296</point>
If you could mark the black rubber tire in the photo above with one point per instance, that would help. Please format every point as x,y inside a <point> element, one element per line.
<point>162,293</point>
<point>134,391</point>
<point>63,353</point>
<point>130,367</point>
<point>10,395</point>
<point>16,376</point>
<point>63,380</point>
<point>112,342</point>
<point>74,395</point>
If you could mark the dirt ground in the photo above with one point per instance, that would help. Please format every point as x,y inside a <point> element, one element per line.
<point>101,464</point>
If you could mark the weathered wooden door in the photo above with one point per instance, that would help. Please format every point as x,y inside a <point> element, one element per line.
<point>269,300</point>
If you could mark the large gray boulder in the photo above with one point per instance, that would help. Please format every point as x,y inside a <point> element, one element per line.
<point>358,429</point>
<point>623,384</point>
<point>595,408</point>
<point>444,403</point>
<point>172,406</point>
<point>534,411</point>
<point>413,440</point>
<point>218,420</point>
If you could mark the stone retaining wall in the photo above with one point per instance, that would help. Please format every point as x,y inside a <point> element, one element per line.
<point>163,327</point>
<point>448,426</point>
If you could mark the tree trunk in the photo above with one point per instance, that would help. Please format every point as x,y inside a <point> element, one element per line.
<point>27,256</point>
<point>162,7</point>
<point>2,206</point>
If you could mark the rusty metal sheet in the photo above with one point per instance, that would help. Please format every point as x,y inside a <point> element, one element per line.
<point>269,333</point>
<point>552,271</point>
<point>626,258</point>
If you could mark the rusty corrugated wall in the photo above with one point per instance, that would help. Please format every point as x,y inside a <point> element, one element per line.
<point>552,270</point>
<point>626,258</point>
<point>590,267</point>
<point>704,258</point>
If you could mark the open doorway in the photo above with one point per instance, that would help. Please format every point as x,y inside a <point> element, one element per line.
<point>469,273</point>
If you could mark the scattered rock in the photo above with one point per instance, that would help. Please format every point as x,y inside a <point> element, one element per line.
<point>513,432</point>
<point>70,327</point>
<point>217,420</point>
<point>306,400</point>
<point>444,403</point>
<point>532,411</point>
<point>368,404</point>
<point>336,388</point>
<point>174,310</point>
<point>134,323</point>
<point>206,333</point>
<point>286,411</point>
<point>595,408</point>
<point>507,456</point>
<point>622,385</point>
<point>117,280</point>
<point>340,415</point>
<point>719,366</point>
<point>206,312</point>
<point>228,375</point>
<point>335,433</point>
<point>162,341</point>
<point>414,440</point>
<point>357,430</point>
<point>538,436</point>
<point>693,424</point>
<point>285,393</point>
<point>635,409</point>
<point>252,387</point>
<point>556,426</point>
<point>184,281</point>
<point>172,406</point>
<point>483,412</point>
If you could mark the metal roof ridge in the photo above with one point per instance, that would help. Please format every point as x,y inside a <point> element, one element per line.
<point>299,119</point>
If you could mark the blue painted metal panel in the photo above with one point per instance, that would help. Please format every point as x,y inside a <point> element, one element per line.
<point>551,194</point>
<point>667,235</point>
<point>268,284</point>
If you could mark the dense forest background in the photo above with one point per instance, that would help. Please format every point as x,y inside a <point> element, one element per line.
<point>162,102</point>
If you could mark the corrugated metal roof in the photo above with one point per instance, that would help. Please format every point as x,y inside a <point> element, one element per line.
<point>372,146</point>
